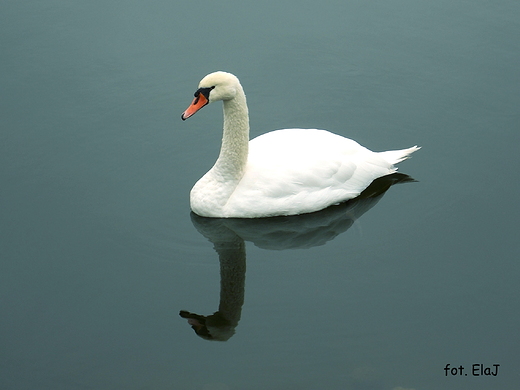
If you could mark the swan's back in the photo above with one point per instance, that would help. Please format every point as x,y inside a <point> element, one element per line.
<point>295,171</point>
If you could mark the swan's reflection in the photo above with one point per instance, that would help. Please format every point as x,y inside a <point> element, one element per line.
<point>301,231</point>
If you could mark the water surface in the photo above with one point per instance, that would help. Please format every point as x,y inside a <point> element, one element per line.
<point>99,252</point>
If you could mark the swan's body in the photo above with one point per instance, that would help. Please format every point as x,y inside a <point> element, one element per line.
<point>284,172</point>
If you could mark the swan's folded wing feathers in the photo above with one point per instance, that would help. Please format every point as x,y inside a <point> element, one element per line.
<point>309,177</point>
<point>298,171</point>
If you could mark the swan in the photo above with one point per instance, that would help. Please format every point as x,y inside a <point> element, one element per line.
<point>283,172</point>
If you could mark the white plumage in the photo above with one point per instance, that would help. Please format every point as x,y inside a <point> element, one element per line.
<point>284,172</point>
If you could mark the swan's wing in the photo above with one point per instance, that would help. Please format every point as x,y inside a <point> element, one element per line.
<point>303,170</point>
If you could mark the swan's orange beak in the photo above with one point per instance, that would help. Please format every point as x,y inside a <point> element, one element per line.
<point>197,103</point>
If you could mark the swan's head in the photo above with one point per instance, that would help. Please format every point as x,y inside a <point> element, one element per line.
<point>215,86</point>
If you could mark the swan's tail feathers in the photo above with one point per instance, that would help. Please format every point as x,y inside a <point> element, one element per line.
<point>396,156</point>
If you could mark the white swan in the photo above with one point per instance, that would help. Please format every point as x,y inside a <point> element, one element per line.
<point>284,172</point>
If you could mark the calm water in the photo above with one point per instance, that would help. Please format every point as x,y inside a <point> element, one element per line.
<point>99,252</point>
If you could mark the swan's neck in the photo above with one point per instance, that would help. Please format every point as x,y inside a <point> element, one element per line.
<point>235,140</point>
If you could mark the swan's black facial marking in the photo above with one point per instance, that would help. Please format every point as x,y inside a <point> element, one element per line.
<point>203,91</point>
